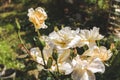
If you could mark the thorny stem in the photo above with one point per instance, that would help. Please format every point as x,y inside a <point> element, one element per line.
<point>18,32</point>
<point>23,43</point>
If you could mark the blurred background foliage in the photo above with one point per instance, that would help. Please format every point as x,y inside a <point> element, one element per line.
<point>75,13</point>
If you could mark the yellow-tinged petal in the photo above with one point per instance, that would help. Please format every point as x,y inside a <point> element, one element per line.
<point>99,52</point>
<point>64,38</point>
<point>64,55</point>
<point>37,17</point>
<point>89,37</point>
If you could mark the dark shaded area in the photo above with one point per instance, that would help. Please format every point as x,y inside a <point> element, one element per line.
<point>74,13</point>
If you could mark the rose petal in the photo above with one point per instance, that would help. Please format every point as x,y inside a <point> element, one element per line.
<point>96,66</point>
<point>80,74</point>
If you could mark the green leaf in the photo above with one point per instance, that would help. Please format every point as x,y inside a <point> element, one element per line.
<point>101,3</point>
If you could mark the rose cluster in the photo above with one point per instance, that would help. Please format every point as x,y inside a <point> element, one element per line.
<point>59,52</point>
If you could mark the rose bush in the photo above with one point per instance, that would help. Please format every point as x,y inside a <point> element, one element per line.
<point>58,52</point>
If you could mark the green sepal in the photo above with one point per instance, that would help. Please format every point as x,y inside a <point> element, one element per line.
<point>49,62</point>
<point>42,42</point>
<point>39,43</point>
<point>18,24</point>
<point>55,55</point>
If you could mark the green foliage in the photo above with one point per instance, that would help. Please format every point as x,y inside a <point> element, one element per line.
<point>7,56</point>
<point>91,1</point>
<point>8,42</point>
<point>102,4</point>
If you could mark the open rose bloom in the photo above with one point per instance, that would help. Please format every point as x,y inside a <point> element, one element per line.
<point>88,37</point>
<point>65,38</point>
<point>65,41</point>
<point>85,69</point>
